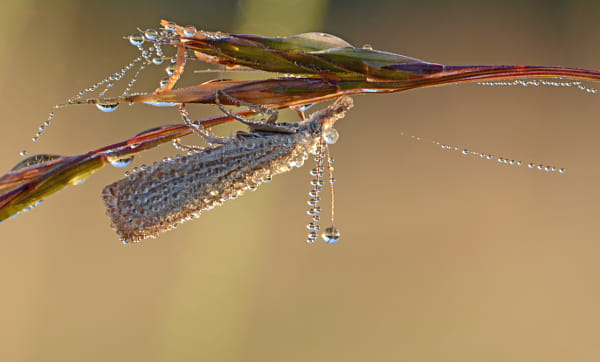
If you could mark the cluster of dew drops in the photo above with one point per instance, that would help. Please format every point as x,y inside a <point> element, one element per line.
<point>541,82</point>
<point>331,235</point>
<point>486,156</point>
<point>152,55</point>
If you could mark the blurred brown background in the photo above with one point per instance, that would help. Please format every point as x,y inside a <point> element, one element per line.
<point>443,257</point>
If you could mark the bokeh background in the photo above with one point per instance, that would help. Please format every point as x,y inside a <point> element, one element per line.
<point>443,257</point>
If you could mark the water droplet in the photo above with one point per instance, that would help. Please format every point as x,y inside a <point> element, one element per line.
<point>465,152</point>
<point>331,235</point>
<point>151,34</point>
<point>330,135</point>
<point>157,60</point>
<point>531,165</point>
<point>170,69</point>
<point>136,39</point>
<point>23,153</point>
<point>121,162</point>
<point>189,30</point>
<point>171,26</point>
<point>107,107</point>
<point>562,170</point>
<point>164,82</point>
<point>367,46</point>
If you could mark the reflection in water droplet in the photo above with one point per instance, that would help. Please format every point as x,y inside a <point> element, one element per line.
<point>121,162</point>
<point>171,26</point>
<point>305,107</point>
<point>107,107</point>
<point>331,235</point>
<point>151,34</point>
<point>136,39</point>
<point>170,69</point>
<point>330,135</point>
<point>189,30</point>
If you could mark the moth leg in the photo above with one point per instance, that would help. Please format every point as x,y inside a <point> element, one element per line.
<point>269,126</point>
<point>204,132</point>
<point>187,148</point>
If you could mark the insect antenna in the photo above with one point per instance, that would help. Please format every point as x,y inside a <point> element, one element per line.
<point>151,55</point>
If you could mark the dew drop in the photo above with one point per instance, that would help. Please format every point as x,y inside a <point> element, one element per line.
<point>157,60</point>
<point>171,26</point>
<point>107,107</point>
<point>367,46</point>
<point>121,162</point>
<point>170,69</point>
<point>330,135</point>
<point>465,152</point>
<point>305,107</point>
<point>189,30</point>
<point>331,235</point>
<point>562,170</point>
<point>151,34</point>
<point>136,39</point>
<point>23,153</point>
<point>164,82</point>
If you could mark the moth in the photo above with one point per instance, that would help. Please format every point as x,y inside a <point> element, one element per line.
<point>162,196</point>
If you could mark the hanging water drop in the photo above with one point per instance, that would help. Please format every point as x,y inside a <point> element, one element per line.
<point>107,107</point>
<point>330,135</point>
<point>331,235</point>
<point>157,60</point>
<point>136,39</point>
<point>121,162</point>
<point>23,153</point>
<point>170,69</point>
